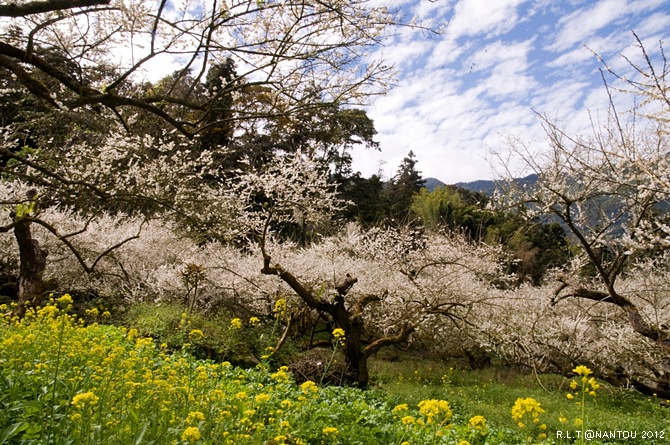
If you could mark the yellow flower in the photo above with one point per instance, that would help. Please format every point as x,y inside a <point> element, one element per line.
<point>399,408</point>
<point>569,396</point>
<point>236,323</point>
<point>281,375</point>
<point>578,422</point>
<point>280,307</point>
<point>309,386</point>
<point>523,406</point>
<point>582,370</point>
<point>196,335</point>
<point>191,434</point>
<point>92,312</point>
<point>463,442</point>
<point>431,408</point>
<point>65,300</point>
<point>194,416</point>
<point>253,321</point>
<point>477,422</point>
<point>87,398</point>
<point>132,333</point>
<point>262,398</point>
<point>339,334</point>
<point>407,420</point>
<point>573,384</point>
<point>329,430</point>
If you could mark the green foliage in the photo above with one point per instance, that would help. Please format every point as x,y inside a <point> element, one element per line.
<point>534,247</point>
<point>402,187</point>
<point>218,336</point>
<point>453,208</point>
<point>366,198</point>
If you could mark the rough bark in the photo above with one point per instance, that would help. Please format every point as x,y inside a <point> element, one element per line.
<point>29,8</point>
<point>33,260</point>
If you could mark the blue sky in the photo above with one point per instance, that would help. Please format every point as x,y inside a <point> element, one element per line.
<point>460,94</point>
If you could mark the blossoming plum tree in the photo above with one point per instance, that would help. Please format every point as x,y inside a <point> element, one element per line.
<point>73,78</point>
<point>610,190</point>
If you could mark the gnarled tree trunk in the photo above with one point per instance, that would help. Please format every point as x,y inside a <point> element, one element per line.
<point>33,263</point>
<point>348,318</point>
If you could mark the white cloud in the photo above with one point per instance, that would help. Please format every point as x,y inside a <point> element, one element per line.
<point>498,63</point>
<point>578,26</point>
<point>472,17</point>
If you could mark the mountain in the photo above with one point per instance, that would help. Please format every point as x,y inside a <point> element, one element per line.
<point>488,187</point>
<point>432,183</point>
<point>481,186</point>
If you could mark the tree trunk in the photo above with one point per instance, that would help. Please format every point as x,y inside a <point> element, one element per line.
<point>350,320</point>
<point>33,261</point>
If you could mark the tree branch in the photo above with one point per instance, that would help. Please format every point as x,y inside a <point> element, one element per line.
<point>376,345</point>
<point>29,8</point>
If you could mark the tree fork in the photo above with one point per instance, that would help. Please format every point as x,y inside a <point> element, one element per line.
<point>349,320</point>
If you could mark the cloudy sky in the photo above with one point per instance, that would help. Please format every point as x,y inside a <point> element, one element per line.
<point>496,62</point>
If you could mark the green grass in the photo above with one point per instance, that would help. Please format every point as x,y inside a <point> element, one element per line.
<point>492,392</point>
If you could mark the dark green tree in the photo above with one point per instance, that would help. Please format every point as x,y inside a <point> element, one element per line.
<point>402,187</point>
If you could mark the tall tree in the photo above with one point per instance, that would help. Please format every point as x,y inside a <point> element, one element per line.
<point>402,187</point>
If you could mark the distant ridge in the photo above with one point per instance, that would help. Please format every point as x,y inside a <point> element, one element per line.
<point>481,186</point>
<point>433,183</point>
<point>488,187</point>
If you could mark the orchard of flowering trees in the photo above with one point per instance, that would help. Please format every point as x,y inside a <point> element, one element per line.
<point>225,185</point>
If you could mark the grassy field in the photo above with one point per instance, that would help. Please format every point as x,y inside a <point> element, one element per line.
<point>492,392</point>
<point>66,382</point>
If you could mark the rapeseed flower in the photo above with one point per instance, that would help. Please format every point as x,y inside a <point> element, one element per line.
<point>309,386</point>
<point>280,307</point>
<point>526,406</point>
<point>194,416</point>
<point>340,336</point>
<point>477,422</point>
<point>400,408</point>
<point>196,335</point>
<point>81,400</point>
<point>191,434</point>
<point>435,408</point>
<point>262,398</point>
<point>582,371</point>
